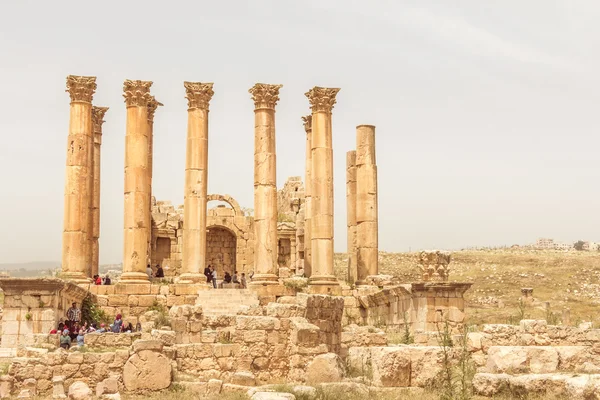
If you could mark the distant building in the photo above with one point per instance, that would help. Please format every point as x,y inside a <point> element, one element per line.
<point>590,246</point>
<point>563,246</point>
<point>544,243</point>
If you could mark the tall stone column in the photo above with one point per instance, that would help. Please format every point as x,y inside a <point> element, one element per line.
<point>98,120</point>
<point>76,245</point>
<point>307,196</point>
<point>153,104</point>
<point>367,241</point>
<point>265,184</point>
<point>137,207</point>
<point>322,278</point>
<point>351,214</point>
<point>196,174</point>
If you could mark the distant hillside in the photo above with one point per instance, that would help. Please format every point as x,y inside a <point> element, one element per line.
<point>29,266</point>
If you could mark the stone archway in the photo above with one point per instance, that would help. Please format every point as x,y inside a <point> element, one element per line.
<point>221,249</point>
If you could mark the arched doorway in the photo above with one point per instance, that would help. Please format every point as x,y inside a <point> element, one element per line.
<point>221,249</point>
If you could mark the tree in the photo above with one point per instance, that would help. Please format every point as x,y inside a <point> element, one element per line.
<point>579,245</point>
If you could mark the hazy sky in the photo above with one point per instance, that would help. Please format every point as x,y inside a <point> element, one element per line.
<point>487,113</point>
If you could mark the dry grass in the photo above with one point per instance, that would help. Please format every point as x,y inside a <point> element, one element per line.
<point>564,279</point>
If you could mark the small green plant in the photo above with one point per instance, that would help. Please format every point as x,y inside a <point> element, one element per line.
<point>163,315</point>
<point>92,313</point>
<point>552,318</point>
<point>521,310</point>
<point>296,283</point>
<point>41,304</point>
<point>407,338</point>
<point>28,316</point>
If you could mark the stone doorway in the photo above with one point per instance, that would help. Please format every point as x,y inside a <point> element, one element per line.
<point>162,252</point>
<point>221,250</point>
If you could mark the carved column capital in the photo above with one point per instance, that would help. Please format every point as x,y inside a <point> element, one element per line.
<point>136,93</point>
<point>265,95</point>
<point>153,104</point>
<point>198,94</point>
<point>81,88</point>
<point>322,99</point>
<point>98,118</point>
<point>307,119</point>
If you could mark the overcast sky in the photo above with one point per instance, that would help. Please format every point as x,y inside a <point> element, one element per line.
<point>487,113</point>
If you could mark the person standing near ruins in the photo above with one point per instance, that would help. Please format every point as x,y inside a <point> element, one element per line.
<point>243,281</point>
<point>149,271</point>
<point>208,273</point>
<point>73,315</point>
<point>213,275</point>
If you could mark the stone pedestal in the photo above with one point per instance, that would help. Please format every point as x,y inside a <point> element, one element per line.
<point>351,215</point>
<point>76,248</point>
<point>196,174</point>
<point>307,196</point>
<point>97,117</point>
<point>437,302</point>
<point>265,98</point>
<point>367,242</point>
<point>322,101</point>
<point>137,199</point>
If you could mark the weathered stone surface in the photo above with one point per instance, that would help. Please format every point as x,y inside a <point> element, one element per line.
<point>486,384</point>
<point>79,391</point>
<point>272,396</point>
<point>243,378</point>
<point>391,367</point>
<point>147,370</point>
<point>58,387</point>
<point>152,345</point>
<point>325,368</point>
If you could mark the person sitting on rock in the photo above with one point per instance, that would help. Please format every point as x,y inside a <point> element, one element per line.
<point>107,280</point>
<point>227,277</point>
<point>102,328</point>
<point>116,326</point>
<point>234,278</point>
<point>80,338</point>
<point>65,340</point>
<point>159,272</point>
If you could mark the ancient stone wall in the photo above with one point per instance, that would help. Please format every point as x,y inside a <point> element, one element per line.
<point>221,250</point>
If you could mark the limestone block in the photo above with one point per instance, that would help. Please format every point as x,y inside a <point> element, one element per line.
<point>79,391</point>
<point>325,368</point>
<point>147,370</point>
<point>257,323</point>
<point>243,378</point>
<point>6,386</point>
<point>272,396</point>
<point>214,386</point>
<point>151,345</point>
<point>486,384</point>
<point>108,386</point>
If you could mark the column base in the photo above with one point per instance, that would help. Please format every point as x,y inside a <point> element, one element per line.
<point>134,277</point>
<point>324,284</point>
<point>264,279</point>
<point>190,277</point>
<point>77,277</point>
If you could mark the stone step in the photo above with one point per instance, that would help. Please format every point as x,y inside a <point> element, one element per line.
<point>542,359</point>
<point>225,301</point>
<point>572,386</point>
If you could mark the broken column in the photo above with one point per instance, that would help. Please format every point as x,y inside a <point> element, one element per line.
<point>98,120</point>
<point>307,195</point>
<point>137,207</point>
<point>265,98</point>
<point>153,104</point>
<point>322,277</point>
<point>196,174</point>
<point>367,242</point>
<point>351,215</point>
<point>76,245</point>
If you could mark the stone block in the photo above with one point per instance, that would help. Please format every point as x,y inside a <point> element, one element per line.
<point>118,300</point>
<point>255,336</point>
<point>131,288</point>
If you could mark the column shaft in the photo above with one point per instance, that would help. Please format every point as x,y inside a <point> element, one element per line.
<point>137,207</point>
<point>97,115</point>
<point>76,243</point>
<point>307,196</point>
<point>196,181</point>
<point>367,241</point>
<point>265,184</point>
<point>152,106</point>
<point>351,215</point>
<point>322,101</point>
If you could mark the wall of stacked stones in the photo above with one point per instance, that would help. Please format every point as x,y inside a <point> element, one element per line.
<point>267,343</point>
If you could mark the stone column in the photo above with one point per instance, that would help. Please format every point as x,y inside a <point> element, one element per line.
<point>196,174</point>
<point>307,196</point>
<point>322,277</point>
<point>97,118</point>
<point>75,247</point>
<point>153,104</point>
<point>367,243</point>
<point>265,184</point>
<point>137,207</point>
<point>351,215</point>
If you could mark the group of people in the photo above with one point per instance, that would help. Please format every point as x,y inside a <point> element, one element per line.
<point>160,273</point>
<point>98,280</point>
<point>211,276</point>
<point>73,330</point>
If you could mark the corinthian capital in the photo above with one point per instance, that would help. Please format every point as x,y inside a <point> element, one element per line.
<point>322,99</point>
<point>153,104</point>
<point>198,94</point>
<point>98,117</point>
<point>137,93</point>
<point>307,119</point>
<point>81,88</point>
<point>265,95</point>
